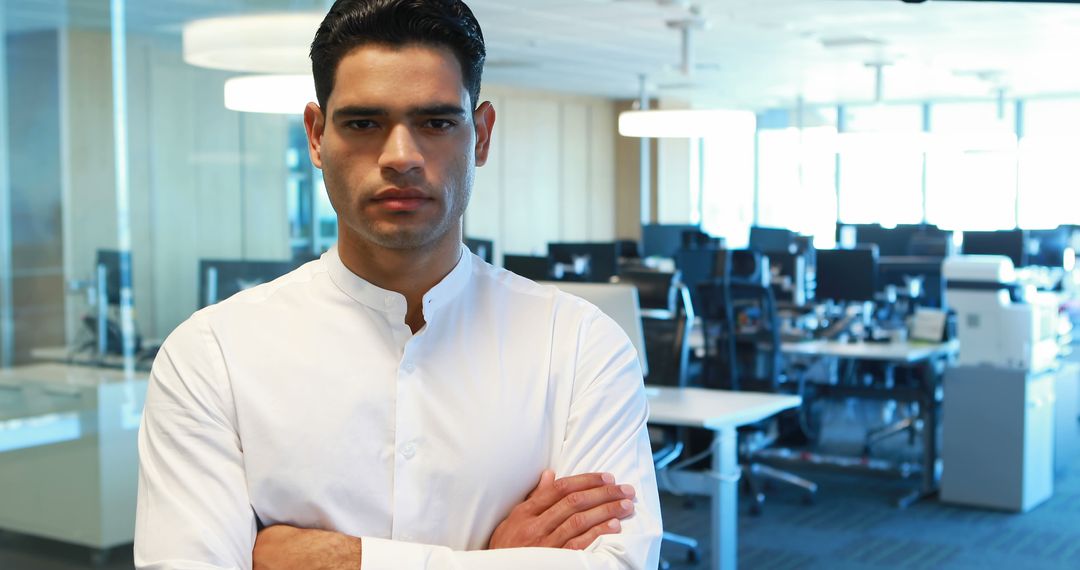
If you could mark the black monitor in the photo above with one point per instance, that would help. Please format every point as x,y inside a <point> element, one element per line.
<point>664,240</point>
<point>220,279</point>
<point>1047,247</point>
<point>483,248</point>
<point>1010,243</point>
<point>900,271</point>
<point>847,275</point>
<point>697,267</point>
<point>113,262</point>
<point>772,240</point>
<point>586,262</point>
<point>528,266</point>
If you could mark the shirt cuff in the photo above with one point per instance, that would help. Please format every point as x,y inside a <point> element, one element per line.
<point>383,554</point>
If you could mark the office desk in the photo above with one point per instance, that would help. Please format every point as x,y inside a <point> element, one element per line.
<point>68,453</point>
<point>63,355</point>
<point>722,412</point>
<point>926,393</point>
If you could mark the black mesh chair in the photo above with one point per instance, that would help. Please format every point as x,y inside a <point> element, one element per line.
<point>666,317</point>
<point>740,309</point>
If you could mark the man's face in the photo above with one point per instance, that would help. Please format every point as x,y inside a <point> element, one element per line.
<point>398,145</point>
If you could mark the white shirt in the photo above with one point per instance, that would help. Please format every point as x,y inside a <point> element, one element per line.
<point>308,401</point>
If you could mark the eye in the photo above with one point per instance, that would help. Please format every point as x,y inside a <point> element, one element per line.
<point>361,124</point>
<point>440,124</point>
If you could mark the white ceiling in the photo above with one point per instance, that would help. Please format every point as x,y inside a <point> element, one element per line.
<point>754,53</point>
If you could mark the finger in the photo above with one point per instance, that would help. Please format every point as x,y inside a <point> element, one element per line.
<point>582,542</point>
<point>580,523</point>
<point>543,497</point>
<point>580,502</point>
<point>547,478</point>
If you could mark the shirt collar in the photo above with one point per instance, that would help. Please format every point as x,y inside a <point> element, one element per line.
<point>384,300</point>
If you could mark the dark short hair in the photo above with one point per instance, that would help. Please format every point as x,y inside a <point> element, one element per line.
<point>439,23</point>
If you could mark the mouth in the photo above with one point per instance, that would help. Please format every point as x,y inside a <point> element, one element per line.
<point>401,199</point>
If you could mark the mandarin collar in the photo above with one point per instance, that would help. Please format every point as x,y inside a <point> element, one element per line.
<point>379,299</point>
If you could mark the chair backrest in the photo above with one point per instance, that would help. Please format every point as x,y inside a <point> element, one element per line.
<point>667,315</point>
<point>728,305</point>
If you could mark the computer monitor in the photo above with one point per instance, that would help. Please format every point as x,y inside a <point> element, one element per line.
<point>220,279</point>
<point>847,275</point>
<point>1010,243</point>
<point>901,271</point>
<point>1047,247</point>
<point>890,241</point>
<point>584,262</point>
<point>528,266</point>
<point>697,267</point>
<point>772,240</point>
<point>663,240</point>
<point>483,248</point>
<point>113,261</point>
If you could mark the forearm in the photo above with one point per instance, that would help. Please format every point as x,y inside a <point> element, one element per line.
<point>281,547</point>
<point>284,547</point>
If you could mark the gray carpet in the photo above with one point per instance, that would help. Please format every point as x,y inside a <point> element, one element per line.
<point>854,526</point>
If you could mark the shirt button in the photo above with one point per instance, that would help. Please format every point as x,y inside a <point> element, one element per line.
<point>408,450</point>
<point>409,368</point>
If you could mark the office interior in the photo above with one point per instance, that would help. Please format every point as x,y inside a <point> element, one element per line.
<point>877,231</point>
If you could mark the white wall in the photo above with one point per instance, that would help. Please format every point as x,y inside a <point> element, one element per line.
<point>551,173</point>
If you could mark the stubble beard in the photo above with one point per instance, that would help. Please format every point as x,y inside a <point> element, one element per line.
<point>423,237</point>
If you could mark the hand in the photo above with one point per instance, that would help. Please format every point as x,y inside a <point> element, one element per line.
<point>287,547</point>
<point>568,513</point>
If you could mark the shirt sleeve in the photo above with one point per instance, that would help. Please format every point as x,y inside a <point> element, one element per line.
<point>193,510</point>
<point>606,432</point>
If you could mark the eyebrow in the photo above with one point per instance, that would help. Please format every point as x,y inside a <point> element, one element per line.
<point>423,111</point>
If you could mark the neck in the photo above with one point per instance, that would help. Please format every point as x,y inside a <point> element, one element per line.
<point>411,272</point>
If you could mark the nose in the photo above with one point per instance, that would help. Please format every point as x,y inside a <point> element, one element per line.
<point>400,152</point>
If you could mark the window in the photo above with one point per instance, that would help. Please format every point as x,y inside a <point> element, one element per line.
<point>881,165</point>
<point>1049,172</point>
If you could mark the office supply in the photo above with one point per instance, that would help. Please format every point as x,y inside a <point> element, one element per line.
<point>1010,243</point>
<point>483,248</point>
<point>663,240</point>
<point>721,412</point>
<point>847,275</point>
<point>586,262</point>
<point>618,301</point>
<point>220,279</point>
<point>528,266</point>
<point>995,324</point>
<point>998,444</point>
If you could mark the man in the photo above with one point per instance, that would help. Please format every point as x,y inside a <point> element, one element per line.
<point>394,403</point>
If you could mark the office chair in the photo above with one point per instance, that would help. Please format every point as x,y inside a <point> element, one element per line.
<point>741,308</point>
<point>666,316</point>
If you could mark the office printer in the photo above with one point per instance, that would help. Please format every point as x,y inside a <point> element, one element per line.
<point>999,322</point>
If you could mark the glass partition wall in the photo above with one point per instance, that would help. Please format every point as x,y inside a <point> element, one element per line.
<point>122,172</point>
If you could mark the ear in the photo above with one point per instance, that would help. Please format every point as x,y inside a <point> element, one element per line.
<point>484,119</point>
<point>314,124</point>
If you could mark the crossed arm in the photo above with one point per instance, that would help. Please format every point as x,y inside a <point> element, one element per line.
<point>567,513</point>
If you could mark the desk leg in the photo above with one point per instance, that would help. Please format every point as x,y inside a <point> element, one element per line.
<point>725,496</point>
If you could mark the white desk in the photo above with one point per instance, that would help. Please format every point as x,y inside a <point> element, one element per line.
<point>723,412</point>
<point>68,453</point>
<point>898,352</point>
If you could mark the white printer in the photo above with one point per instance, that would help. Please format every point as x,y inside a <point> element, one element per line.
<point>1000,322</point>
